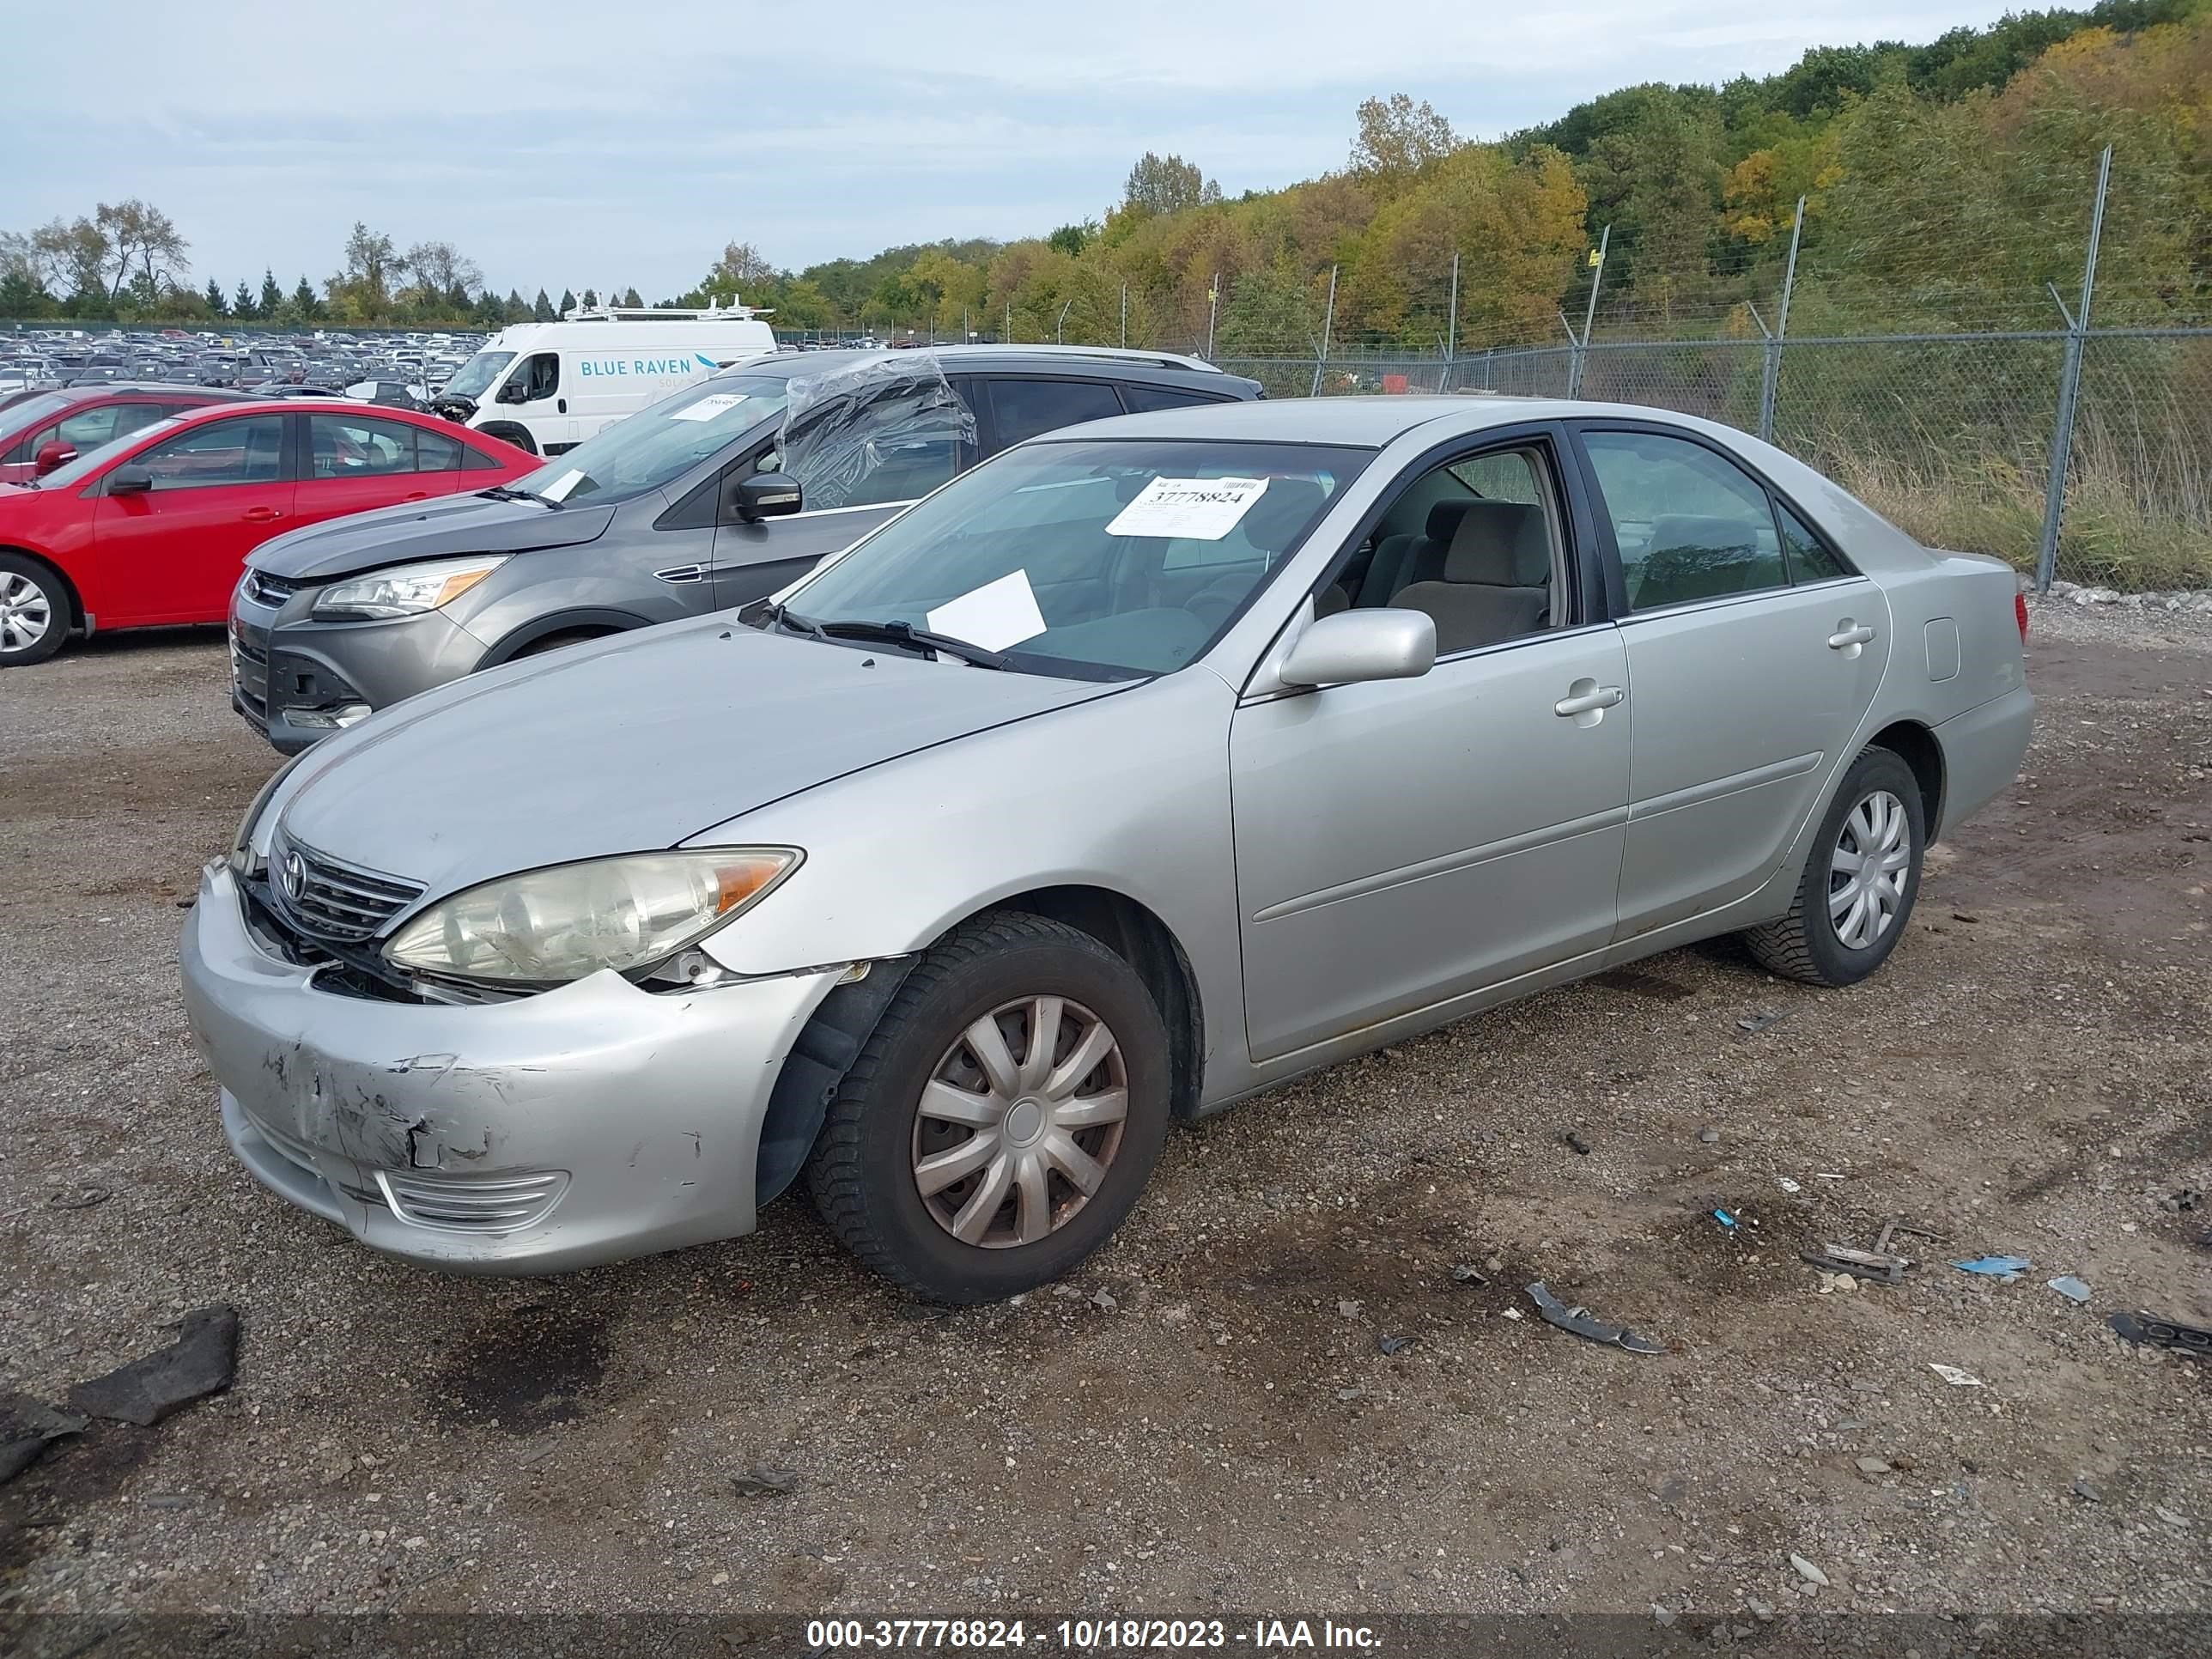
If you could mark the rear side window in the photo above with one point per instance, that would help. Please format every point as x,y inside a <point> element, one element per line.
<point>1023,408</point>
<point>1689,524</point>
<point>1809,560</point>
<point>435,452</point>
<point>1143,399</point>
<point>347,447</point>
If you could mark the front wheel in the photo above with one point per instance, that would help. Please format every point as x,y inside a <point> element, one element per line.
<point>1860,879</point>
<point>34,611</point>
<point>1002,1118</point>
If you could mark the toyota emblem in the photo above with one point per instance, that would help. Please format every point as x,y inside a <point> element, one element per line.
<point>295,875</point>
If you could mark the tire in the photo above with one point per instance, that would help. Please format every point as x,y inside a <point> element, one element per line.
<point>864,1173</point>
<point>35,615</point>
<point>1825,939</point>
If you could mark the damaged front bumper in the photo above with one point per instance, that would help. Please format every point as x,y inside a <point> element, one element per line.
<point>584,1125</point>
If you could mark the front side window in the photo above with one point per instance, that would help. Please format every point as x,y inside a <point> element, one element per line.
<point>91,427</point>
<point>1075,558</point>
<point>1023,408</point>
<point>1690,524</point>
<point>248,450</point>
<point>541,375</point>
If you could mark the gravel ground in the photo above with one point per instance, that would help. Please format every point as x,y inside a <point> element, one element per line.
<point>1203,1421</point>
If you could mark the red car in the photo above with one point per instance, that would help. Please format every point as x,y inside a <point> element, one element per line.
<point>154,528</point>
<point>43,430</point>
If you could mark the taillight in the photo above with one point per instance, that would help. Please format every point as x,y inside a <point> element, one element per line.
<point>2019,615</point>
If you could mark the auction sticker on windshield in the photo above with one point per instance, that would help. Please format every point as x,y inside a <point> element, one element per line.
<point>707,408</point>
<point>1189,509</point>
<point>995,616</point>
<point>559,488</point>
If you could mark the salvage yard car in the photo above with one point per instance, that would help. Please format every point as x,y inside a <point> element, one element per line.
<point>153,528</point>
<point>656,519</point>
<point>1149,764</point>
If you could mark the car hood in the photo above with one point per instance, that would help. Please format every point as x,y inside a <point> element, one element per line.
<point>426,530</point>
<point>629,744</point>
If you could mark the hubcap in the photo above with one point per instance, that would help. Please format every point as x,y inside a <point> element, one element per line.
<point>1019,1123</point>
<point>1867,873</point>
<point>26,612</point>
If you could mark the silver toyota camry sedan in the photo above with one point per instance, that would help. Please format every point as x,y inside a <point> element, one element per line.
<point>1147,765</point>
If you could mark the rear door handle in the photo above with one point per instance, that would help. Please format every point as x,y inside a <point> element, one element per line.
<point>262,515</point>
<point>1848,636</point>
<point>1588,697</point>
<point>417,495</point>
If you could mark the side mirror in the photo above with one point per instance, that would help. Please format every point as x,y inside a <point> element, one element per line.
<point>766,495</point>
<point>514,392</point>
<point>53,454</point>
<point>130,481</point>
<point>1353,646</point>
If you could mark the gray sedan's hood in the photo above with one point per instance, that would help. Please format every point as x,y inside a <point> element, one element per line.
<point>630,744</point>
<point>426,530</point>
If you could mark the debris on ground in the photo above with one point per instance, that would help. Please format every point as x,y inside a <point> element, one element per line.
<point>2007,1269</point>
<point>1858,1264</point>
<point>762,1481</point>
<point>2189,1198</point>
<point>2082,1489</point>
<point>1806,1571</point>
<point>1787,1185</point>
<point>1468,1273</point>
<point>1391,1345</point>
<point>2071,1288</point>
<point>1348,1308</point>
<point>1831,1284</point>
<point>1579,1322</point>
<point>1725,1220</point>
<point>1954,1377</point>
<point>2153,1331</point>
<point>1102,1300</point>
<point>1874,1466</point>
<point>200,1362</point>
<point>2169,1517</point>
<point>1757,1023</point>
<point>1709,1137</point>
<point>1575,1142</point>
<point>80,1198</point>
<point>27,1426</point>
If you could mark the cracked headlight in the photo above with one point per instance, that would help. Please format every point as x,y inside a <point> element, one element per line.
<point>406,590</point>
<point>549,927</point>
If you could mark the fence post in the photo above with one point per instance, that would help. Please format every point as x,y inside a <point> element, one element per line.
<point>1212,310</point>
<point>2070,382</point>
<point>1589,315</point>
<point>1327,325</point>
<point>1451,335</point>
<point>1061,324</point>
<point>1125,316</point>
<point>1772,377</point>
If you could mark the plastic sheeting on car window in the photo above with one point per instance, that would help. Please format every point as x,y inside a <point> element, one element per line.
<point>887,429</point>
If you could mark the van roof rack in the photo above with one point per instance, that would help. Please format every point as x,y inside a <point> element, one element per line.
<point>714,311</point>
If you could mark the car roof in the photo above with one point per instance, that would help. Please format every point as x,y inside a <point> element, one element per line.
<point>326,403</point>
<point>1106,361</point>
<point>1369,422</point>
<point>123,389</point>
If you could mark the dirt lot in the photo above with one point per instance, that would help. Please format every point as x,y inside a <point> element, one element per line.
<point>1203,1422</point>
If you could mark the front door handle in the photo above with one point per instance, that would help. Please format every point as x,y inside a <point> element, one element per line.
<point>1587,701</point>
<point>417,495</point>
<point>561,403</point>
<point>1850,636</point>
<point>262,515</point>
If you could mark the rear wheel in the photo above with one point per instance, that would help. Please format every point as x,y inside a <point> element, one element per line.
<point>1002,1118</point>
<point>34,611</point>
<point>1860,879</point>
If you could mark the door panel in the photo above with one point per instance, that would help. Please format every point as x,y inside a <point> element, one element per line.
<point>174,553</point>
<point>1404,841</point>
<point>753,560</point>
<point>354,462</point>
<point>1743,712</point>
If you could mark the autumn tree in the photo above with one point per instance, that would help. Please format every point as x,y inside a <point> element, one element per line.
<point>1398,135</point>
<point>1165,184</point>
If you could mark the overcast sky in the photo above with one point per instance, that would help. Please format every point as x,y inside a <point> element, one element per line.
<point>624,142</point>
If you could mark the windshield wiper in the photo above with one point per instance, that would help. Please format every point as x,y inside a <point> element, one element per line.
<point>917,639</point>
<point>507,493</point>
<point>798,624</point>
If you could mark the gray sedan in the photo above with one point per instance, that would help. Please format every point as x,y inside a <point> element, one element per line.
<point>1144,767</point>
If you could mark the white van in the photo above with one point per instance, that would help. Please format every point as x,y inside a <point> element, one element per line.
<point>546,387</point>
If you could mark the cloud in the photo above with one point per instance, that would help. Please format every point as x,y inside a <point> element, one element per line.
<point>565,143</point>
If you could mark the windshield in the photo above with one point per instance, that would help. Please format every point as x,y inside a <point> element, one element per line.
<point>661,443</point>
<point>479,372</point>
<point>93,459</point>
<point>27,414</point>
<point>1118,558</point>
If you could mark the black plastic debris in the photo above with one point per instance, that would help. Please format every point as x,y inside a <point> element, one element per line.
<point>1576,1142</point>
<point>200,1362</point>
<point>2189,1198</point>
<point>762,1481</point>
<point>28,1427</point>
<point>1758,1022</point>
<point>1392,1345</point>
<point>1579,1322</point>
<point>1859,1264</point>
<point>2155,1331</point>
<point>80,1198</point>
<point>1468,1273</point>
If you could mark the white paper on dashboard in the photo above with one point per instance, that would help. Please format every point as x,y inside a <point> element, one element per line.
<point>707,408</point>
<point>995,616</point>
<point>1193,509</point>
<point>559,488</point>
